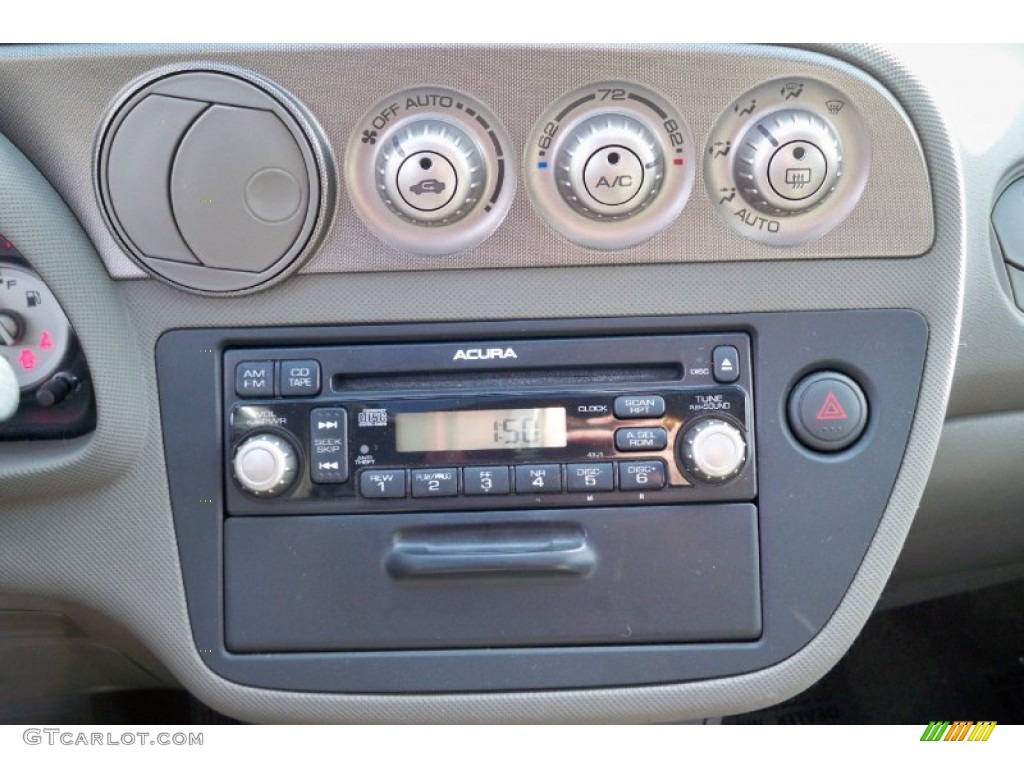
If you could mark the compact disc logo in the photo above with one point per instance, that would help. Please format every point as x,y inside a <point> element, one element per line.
<point>495,353</point>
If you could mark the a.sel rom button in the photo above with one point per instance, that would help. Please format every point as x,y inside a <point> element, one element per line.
<point>641,475</point>
<point>641,439</point>
<point>382,483</point>
<point>434,482</point>
<point>639,406</point>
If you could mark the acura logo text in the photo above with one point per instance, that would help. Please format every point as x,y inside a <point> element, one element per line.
<point>486,354</point>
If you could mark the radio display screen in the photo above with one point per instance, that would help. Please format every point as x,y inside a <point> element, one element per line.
<point>499,429</point>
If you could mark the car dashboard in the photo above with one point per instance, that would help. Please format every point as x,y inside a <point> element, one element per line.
<point>498,383</point>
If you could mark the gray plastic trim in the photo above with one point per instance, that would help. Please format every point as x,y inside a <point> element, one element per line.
<point>102,535</point>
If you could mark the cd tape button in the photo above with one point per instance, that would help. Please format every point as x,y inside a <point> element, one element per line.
<point>588,478</point>
<point>539,478</point>
<point>641,475</point>
<point>328,451</point>
<point>299,378</point>
<point>486,481</point>
<point>434,482</point>
<point>382,484</point>
<point>639,406</point>
<point>637,439</point>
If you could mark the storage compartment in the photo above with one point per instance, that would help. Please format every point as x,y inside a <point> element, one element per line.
<point>493,579</point>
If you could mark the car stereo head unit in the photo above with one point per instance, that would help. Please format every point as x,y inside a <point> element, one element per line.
<point>542,423</point>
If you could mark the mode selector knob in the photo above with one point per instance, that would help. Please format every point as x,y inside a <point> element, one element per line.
<point>431,172</point>
<point>713,450</point>
<point>265,465</point>
<point>789,161</point>
<point>610,167</point>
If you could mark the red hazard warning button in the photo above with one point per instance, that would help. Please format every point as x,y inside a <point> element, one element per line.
<point>827,411</point>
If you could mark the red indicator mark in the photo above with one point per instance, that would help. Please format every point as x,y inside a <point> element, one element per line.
<point>27,359</point>
<point>678,161</point>
<point>831,410</point>
<point>45,342</point>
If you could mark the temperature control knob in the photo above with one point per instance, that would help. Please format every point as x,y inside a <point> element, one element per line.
<point>431,172</point>
<point>610,167</point>
<point>265,465</point>
<point>789,161</point>
<point>713,450</point>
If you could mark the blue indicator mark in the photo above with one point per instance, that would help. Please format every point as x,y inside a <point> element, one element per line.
<point>542,164</point>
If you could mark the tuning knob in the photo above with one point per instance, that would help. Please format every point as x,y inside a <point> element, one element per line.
<point>610,167</point>
<point>265,465</point>
<point>430,173</point>
<point>789,162</point>
<point>713,450</point>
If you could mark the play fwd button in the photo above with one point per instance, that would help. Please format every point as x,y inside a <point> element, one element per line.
<point>827,411</point>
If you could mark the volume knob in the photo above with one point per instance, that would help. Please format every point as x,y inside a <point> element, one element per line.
<point>713,450</point>
<point>265,465</point>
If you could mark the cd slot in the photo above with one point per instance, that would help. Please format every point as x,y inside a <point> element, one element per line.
<point>508,379</point>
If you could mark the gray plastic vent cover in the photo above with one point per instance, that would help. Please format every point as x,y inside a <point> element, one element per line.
<point>212,182</point>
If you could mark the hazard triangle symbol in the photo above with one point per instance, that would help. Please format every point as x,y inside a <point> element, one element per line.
<point>831,410</point>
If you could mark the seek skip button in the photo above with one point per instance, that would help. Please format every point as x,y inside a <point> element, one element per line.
<point>639,406</point>
<point>648,439</point>
<point>299,378</point>
<point>328,449</point>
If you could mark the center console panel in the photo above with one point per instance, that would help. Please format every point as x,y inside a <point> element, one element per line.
<point>550,504</point>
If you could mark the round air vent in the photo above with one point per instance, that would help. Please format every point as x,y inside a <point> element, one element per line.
<point>214,181</point>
